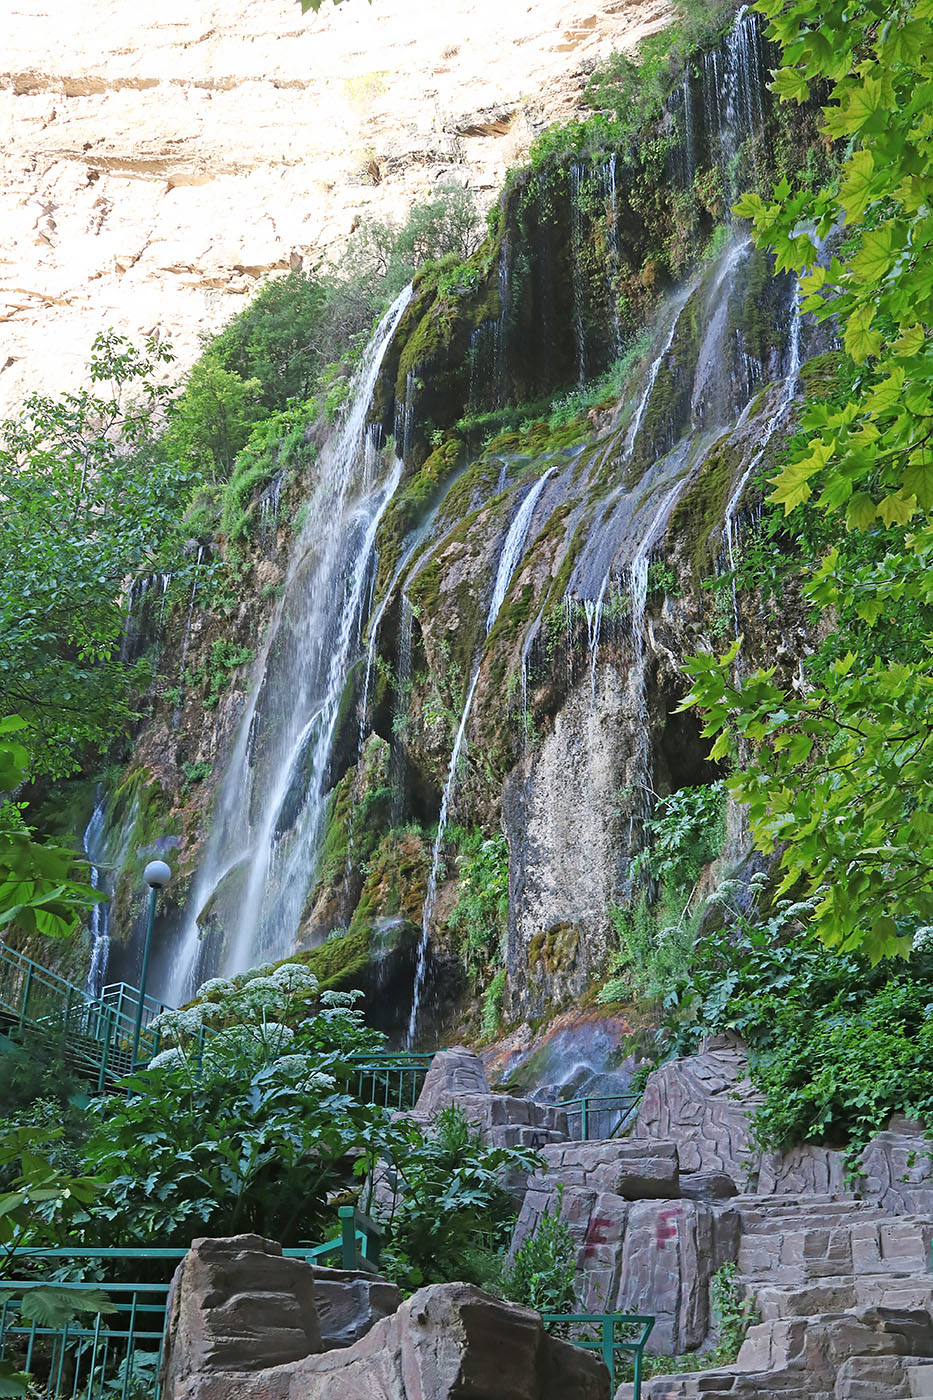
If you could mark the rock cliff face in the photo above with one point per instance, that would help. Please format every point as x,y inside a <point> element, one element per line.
<point>469,619</point>
<point>157,165</point>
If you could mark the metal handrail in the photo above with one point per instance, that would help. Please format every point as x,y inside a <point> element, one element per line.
<point>623,1104</point>
<point>98,1032</point>
<point>609,1342</point>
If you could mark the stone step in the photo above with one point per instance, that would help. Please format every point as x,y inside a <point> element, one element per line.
<point>759,1222</point>
<point>794,1200</point>
<point>872,1378</point>
<point>920,1379</point>
<point>728,1383</point>
<point>802,1298</point>
<point>897,1245</point>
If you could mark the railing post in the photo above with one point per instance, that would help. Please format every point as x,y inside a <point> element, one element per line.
<point>24,1004</point>
<point>347,1217</point>
<point>609,1351</point>
<point>584,1129</point>
<point>105,1046</point>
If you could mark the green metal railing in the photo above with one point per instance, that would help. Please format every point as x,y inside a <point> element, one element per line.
<point>97,1032</point>
<point>391,1080</point>
<point>609,1334</point>
<point>100,1356</point>
<point>114,1355</point>
<point>600,1115</point>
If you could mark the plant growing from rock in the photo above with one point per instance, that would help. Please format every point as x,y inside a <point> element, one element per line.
<point>542,1274</point>
<point>448,1214</point>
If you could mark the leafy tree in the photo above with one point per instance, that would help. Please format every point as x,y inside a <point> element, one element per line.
<point>86,506</point>
<point>838,774</point>
<point>212,418</point>
<point>38,889</point>
<point>273,341</point>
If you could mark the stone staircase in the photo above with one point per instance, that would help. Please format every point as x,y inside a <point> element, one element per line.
<point>844,1291</point>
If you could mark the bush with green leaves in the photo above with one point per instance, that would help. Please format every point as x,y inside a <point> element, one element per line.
<point>542,1274</point>
<point>836,1045</point>
<point>443,1202</point>
<point>656,927</point>
<point>482,909</point>
<point>243,1122</point>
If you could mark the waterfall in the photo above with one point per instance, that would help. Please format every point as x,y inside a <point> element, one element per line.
<point>400,708</point>
<point>509,559</point>
<point>99,922</point>
<point>711,397</point>
<point>262,853</point>
<point>635,425</point>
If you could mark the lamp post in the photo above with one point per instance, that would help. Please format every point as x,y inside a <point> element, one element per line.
<point>157,876</point>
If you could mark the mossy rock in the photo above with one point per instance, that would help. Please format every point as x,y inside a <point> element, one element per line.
<point>340,964</point>
<point>699,514</point>
<point>554,949</point>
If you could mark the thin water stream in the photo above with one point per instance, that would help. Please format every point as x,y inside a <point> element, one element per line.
<point>509,560</point>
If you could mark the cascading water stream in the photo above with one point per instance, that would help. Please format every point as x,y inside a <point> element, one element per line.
<point>509,560</point>
<point>787,394</point>
<point>99,921</point>
<point>272,798</point>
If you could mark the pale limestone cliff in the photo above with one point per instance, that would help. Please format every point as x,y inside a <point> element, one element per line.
<point>156,163</point>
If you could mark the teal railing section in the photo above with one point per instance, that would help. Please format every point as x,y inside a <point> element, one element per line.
<point>110,1355</point>
<point>600,1115</point>
<point>616,1336</point>
<point>391,1080</point>
<point>114,1355</point>
<point>97,1031</point>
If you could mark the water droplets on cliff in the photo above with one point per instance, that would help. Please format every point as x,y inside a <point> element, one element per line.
<point>509,558</point>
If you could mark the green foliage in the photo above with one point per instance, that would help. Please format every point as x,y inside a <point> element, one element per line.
<point>656,928</point>
<point>628,91</point>
<point>482,909</point>
<point>39,891</point>
<point>839,776</point>
<point>683,836</point>
<point>836,1045</point>
<point>732,1313</point>
<point>246,1129</point>
<point>542,1274</point>
<point>43,1205</point>
<point>273,341</point>
<point>213,417</point>
<point>493,998</point>
<point>87,504</point>
<point>196,772</point>
<point>450,1214</point>
<point>212,679</point>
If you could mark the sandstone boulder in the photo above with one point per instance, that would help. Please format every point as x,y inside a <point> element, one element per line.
<point>898,1167</point>
<point>652,1257</point>
<point>349,1303</point>
<point>704,1103</point>
<point>236,1305</point>
<point>447,1342</point>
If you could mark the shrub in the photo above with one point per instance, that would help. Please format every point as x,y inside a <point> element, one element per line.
<point>542,1274</point>
<point>450,1214</point>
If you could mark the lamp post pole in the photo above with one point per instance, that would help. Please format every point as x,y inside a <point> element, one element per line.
<point>157,876</point>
